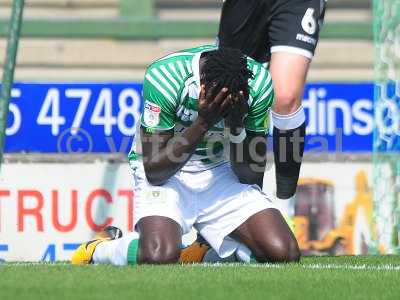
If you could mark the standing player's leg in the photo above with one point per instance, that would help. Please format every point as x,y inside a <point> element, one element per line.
<point>290,30</point>
<point>289,73</point>
<point>243,25</point>
<point>293,35</point>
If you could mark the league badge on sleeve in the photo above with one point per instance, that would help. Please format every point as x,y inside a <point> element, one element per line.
<point>151,114</point>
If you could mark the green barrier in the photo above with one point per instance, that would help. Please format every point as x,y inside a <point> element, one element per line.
<point>153,28</point>
<point>136,8</point>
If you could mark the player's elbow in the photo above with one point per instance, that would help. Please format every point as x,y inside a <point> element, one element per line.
<point>153,176</point>
<point>156,182</point>
<point>251,179</point>
<point>249,175</point>
<point>155,179</point>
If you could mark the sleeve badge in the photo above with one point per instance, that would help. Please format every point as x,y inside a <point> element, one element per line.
<point>151,114</point>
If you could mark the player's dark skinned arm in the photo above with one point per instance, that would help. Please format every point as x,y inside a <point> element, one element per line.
<point>164,154</point>
<point>249,166</point>
<point>249,158</point>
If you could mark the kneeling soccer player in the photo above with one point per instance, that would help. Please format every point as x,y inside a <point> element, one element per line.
<point>196,102</point>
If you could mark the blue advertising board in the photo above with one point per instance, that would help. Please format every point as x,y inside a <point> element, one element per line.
<point>339,116</point>
<point>102,117</point>
<point>73,117</point>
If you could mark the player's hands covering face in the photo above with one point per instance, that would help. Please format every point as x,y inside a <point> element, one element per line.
<point>213,109</point>
<point>239,110</point>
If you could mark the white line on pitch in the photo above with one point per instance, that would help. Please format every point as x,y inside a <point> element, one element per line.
<point>382,267</point>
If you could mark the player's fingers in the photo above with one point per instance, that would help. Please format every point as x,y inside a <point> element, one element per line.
<point>221,96</point>
<point>226,105</point>
<point>243,102</point>
<point>204,102</point>
<point>242,99</point>
<point>216,103</point>
<point>202,96</point>
<point>210,92</point>
<point>239,98</point>
<point>236,97</point>
<point>226,108</point>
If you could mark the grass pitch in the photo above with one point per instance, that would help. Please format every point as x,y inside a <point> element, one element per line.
<point>314,278</point>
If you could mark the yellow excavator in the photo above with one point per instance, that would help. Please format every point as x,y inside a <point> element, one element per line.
<point>319,231</point>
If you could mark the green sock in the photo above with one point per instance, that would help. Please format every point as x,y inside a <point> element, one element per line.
<point>133,250</point>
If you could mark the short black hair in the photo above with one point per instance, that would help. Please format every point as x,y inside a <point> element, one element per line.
<point>226,67</point>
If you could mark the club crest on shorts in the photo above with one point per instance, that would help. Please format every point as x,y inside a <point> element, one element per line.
<point>156,196</point>
<point>151,114</point>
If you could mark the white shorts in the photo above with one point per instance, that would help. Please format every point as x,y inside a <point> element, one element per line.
<point>214,202</point>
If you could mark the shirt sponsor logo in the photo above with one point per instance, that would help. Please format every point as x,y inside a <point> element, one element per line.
<point>151,114</point>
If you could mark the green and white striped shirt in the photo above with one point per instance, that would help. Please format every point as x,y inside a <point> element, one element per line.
<point>171,91</point>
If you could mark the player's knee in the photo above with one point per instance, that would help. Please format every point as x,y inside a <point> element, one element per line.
<point>288,252</point>
<point>157,251</point>
<point>286,102</point>
<point>281,251</point>
<point>293,253</point>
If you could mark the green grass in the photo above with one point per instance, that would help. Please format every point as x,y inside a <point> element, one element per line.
<point>315,278</point>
